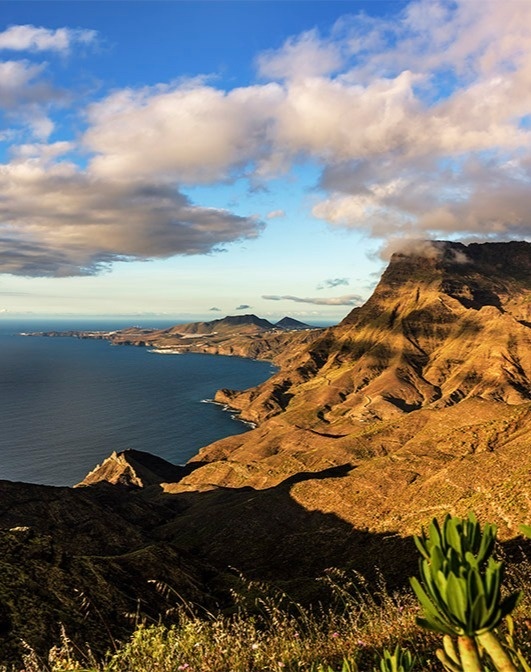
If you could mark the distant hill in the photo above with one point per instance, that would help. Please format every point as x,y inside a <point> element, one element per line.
<point>237,322</point>
<point>225,324</point>
<point>291,324</point>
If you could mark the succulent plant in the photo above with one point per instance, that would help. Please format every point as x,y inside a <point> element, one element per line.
<point>348,665</point>
<point>400,660</point>
<point>460,591</point>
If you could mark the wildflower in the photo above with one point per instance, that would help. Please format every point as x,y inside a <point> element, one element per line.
<point>255,646</point>
<point>335,634</point>
<point>185,666</point>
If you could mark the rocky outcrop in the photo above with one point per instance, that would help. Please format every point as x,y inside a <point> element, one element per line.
<point>134,469</point>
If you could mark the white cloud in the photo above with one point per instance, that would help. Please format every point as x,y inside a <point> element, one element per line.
<point>301,57</point>
<point>274,214</point>
<point>333,282</point>
<point>42,151</point>
<point>33,38</point>
<point>25,96</point>
<point>192,133</point>
<point>17,83</point>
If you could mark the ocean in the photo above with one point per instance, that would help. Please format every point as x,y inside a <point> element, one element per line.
<point>66,403</point>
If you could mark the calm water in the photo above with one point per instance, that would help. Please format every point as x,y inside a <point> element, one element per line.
<point>66,404</point>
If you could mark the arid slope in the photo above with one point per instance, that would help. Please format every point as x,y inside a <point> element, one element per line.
<point>425,390</point>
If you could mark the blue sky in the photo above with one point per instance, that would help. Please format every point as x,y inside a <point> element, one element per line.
<point>197,159</point>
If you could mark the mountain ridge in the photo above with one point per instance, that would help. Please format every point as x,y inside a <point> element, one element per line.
<point>416,341</point>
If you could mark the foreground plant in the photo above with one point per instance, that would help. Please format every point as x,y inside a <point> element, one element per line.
<point>460,592</point>
<point>348,665</point>
<point>400,660</point>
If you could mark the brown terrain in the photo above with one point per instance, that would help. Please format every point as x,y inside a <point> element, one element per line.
<point>238,335</point>
<point>418,403</point>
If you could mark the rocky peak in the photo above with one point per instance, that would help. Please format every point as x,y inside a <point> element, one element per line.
<point>477,275</point>
<point>134,469</point>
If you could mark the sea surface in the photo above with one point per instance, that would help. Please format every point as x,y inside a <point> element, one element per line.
<point>67,403</point>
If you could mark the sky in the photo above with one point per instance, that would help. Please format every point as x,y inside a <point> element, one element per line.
<point>197,159</point>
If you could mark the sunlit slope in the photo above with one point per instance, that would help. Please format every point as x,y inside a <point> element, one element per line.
<point>425,391</point>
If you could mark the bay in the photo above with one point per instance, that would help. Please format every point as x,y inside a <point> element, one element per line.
<point>67,403</point>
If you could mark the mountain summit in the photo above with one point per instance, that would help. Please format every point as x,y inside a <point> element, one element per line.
<point>442,326</point>
<point>445,323</point>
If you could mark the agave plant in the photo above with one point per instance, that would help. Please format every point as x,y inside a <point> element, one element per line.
<point>460,591</point>
<point>400,660</point>
<point>348,665</point>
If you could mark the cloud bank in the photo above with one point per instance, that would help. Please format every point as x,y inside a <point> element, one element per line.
<point>347,300</point>
<point>420,124</point>
<point>62,221</point>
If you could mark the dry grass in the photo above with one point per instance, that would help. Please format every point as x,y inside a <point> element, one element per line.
<point>269,633</point>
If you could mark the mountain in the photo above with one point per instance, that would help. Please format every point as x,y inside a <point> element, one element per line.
<point>229,323</point>
<point>418,403</point>
<point>439,328</point>
<point>240,335</point>
<point>289,323</point>
<point>428,384</point>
